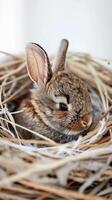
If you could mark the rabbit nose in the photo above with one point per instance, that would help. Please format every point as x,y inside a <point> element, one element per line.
<point>86,123</point>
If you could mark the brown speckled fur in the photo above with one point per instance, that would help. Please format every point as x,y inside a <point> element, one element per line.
<point>41,112</point>
<point>31,119</point>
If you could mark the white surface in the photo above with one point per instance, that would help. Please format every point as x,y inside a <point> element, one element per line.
<point>86,23</point>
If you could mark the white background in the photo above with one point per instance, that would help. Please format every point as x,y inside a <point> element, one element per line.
<point>86,23</point>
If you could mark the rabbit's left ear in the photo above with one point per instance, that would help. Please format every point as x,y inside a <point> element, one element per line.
<point>59,61</point>
<point>38,64</point>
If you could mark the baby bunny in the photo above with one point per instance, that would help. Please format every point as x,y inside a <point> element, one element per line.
<point>59,106</point>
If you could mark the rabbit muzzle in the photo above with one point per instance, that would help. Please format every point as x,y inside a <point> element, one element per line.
<point>81,124</point>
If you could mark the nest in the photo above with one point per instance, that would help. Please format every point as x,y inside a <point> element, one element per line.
<point>79,170</point>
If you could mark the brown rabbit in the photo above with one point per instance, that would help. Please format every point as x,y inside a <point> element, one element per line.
<point>59,106</point>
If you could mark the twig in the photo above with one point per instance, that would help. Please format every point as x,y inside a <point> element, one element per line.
<point>60,191</point>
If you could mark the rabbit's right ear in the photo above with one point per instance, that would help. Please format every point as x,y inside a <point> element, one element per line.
<point>38,64</point>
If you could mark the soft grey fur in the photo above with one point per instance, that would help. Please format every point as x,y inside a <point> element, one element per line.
<point>41,113</point>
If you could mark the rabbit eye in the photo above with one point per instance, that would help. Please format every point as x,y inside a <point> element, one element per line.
<point>63,106</point>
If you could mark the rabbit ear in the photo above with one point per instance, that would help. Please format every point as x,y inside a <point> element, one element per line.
<point>38,64</point>
<point>59,61</point>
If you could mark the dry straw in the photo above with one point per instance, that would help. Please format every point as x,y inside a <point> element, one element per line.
<point>79,170</point>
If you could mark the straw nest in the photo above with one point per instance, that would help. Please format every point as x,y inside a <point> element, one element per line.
<point>80,170</point>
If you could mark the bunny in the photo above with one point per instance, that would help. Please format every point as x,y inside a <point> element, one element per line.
<point>59,105</point>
